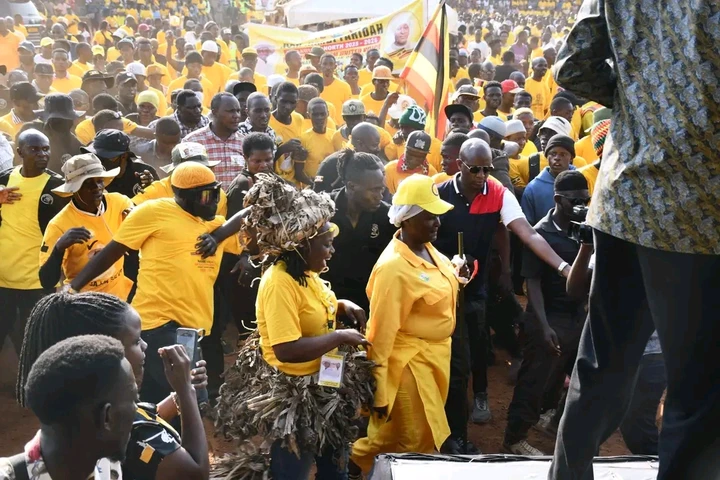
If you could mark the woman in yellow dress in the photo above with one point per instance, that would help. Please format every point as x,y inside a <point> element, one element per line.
<point>413,292</point>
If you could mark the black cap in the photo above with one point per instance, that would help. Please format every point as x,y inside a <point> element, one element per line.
<point>109,144</point>
<point>27,46</point>
<point>244,87</point>
<point>98,75</point>
<point>457,107</point>
<point>124,77</point>
<point>44,69</point>
<point>58,105</point>
<point>24,91</point>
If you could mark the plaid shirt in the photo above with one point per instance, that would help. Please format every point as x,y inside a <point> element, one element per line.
<point>184,130</point>
<point>228,153</point>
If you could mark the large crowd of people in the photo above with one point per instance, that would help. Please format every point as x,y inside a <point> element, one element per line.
<point>154,182</point>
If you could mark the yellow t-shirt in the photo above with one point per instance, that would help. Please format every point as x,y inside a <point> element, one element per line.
<point>8,125</point>
<point>337,93</point>
<point>85,130</point>
<point>540,97</point>
<point>590,172</point>
<point>529,149</point>
<point>163,189</point>
<point>178,83</point>
<point>283,133</point>
<point>20,235</point>
<point>174,282</point>
<point>102,228</point>
<point>287,312</point>
<point>318,146</point>
<point>520,169</point>
<point>78,69</point>
<point>441,177</point>
<point>393,177</point>
<point>364,77</point>
<point>112,54</point>
<point>584,148</point>
<point>64,85</point>
<point>479,116</point>
<point>218,75</point>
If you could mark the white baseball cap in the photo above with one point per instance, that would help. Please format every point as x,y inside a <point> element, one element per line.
<point>210,46</point>
<point>493,124</point>
<point>136,68</point>
<point>558,125</point>
<point>514,126</point>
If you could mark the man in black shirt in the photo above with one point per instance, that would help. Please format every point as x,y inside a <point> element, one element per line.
<point>554,319</point>
<point>365,230</point>
<point>365,138</point>
<point>113,149</point>
<point>502,72</point>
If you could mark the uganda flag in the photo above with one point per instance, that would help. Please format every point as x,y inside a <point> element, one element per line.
<point>426,70</point>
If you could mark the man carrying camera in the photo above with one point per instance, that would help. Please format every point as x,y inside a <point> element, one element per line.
<point>554,319</point>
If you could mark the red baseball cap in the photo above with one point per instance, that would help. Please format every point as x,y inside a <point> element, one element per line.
<point>510,86</point>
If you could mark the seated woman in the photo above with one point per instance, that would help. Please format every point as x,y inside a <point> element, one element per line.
<point>413,293</point>
<point>155,449</point>
<point>297,318</point>
<point>84,226</point>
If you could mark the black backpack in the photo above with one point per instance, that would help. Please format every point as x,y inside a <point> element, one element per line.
<point>534,164</point>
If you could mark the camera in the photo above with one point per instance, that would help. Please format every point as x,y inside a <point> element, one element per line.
<point>580,231</point>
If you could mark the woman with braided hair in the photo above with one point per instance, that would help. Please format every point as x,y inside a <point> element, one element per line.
<point>296,316</point>
<point>155,449</point>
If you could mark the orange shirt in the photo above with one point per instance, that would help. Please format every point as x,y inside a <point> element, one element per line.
<point>8,51</point>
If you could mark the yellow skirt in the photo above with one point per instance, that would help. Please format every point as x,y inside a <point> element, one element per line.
<point>406,430</point>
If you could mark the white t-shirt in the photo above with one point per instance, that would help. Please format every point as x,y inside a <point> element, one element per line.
<point>482,46</point>
<point>40,59</point>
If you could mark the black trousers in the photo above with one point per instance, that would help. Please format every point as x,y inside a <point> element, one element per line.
<point>682,294</point>
<point>15,308</point>
<point>541,375</point>
<point>503,312</point>
<point>466,349</point>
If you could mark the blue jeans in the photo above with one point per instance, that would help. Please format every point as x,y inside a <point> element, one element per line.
<point>286,465</point>
<point>638,428</point>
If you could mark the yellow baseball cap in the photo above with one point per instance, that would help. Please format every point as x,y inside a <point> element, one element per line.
<point>98,50</point>
<point>192,175</point>
<point>46,41</point>
<point>249,51</point>
<point>422,191</point>
<point>381,73</point>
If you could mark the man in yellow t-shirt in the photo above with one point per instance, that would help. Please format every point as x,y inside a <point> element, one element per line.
<point>83,64</point>
<point>537,87</point>
<point>175,284</point>
<point>194,66</point>
<point>336,91</point>
<point>63,82</point>
<point>375,100</point>
<point>249,60</point>
<point>24,98</point>
<point>24,221</point>
<point>365,74</point>
<point>317,140</point>
<point>217,73</point>
<point>353,112</point>
<point>413,160</point>
<point>84,227</point>
<point>288,127</point>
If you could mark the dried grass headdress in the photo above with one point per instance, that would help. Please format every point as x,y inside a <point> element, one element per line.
<point>282,216</point>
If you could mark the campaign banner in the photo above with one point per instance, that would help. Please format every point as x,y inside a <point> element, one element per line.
<point>394,35</point>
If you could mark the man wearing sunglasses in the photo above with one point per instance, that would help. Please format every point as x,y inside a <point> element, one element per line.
<point>554,319</point>
<point>538,197</point>
<point>483,210</point>
<point>175,285</point>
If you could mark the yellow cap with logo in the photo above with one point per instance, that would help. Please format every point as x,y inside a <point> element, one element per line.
<point>421,190</point>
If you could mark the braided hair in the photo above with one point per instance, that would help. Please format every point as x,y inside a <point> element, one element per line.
<point>61,315</point>
<point>352,164</point>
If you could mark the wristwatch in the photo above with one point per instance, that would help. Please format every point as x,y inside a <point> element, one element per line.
<point>562,267</point>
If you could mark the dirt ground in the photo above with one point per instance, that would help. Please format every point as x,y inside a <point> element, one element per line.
<point>18,425</point>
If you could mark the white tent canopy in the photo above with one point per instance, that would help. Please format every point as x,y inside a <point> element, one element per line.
<point>306,12</point>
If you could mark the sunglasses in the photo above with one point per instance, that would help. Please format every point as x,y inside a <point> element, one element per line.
<point>475,169</point>
<point>576,202</point>
<point>205,195</point>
